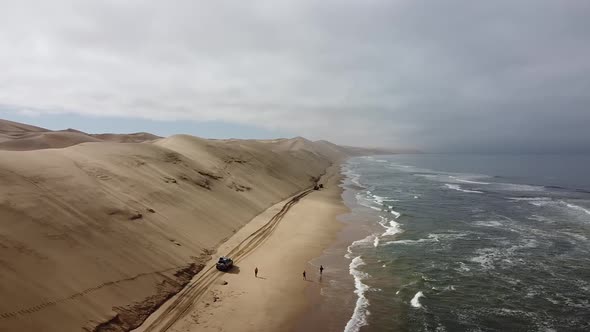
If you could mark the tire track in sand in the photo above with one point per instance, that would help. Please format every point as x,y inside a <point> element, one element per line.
<point>196,289</point>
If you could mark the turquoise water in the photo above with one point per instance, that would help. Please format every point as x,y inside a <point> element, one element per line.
<point>470,243</point>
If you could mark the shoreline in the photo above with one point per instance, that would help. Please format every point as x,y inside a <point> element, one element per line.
<point>277,298</point>
<point>341,304</point>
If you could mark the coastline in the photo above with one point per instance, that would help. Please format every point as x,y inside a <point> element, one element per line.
<point>278,297</point>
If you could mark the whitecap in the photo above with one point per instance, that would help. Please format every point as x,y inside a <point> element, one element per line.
<point>416,300</point>
<point>368,202</point>
<point>392,229</point>
<point>360,313</point>
<point>577,208</point>
<point>530,199</point>
<point>458,188</point>
<point>488,223</point>
<point>469,179</point>
<point>362,242</point>
<point>430,238</point>
<point>518,187</point>
<point>395,213</point>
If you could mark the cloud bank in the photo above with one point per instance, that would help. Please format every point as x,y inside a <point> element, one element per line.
<point>435,75</point>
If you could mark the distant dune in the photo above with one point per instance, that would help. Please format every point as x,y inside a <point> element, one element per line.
<point>21,137</point>
<point>101,228</point>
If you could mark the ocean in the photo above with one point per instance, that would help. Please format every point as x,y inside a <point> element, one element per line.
<point>464,243</point>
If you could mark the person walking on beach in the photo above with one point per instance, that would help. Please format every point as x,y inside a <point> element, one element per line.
<point>256,272</point>
<point>304,275</point>
<point>321,269</point>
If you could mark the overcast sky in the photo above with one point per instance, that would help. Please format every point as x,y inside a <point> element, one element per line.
<point>434,75</point>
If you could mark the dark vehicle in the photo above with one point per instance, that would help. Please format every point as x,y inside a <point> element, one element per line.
<point>224,264</point>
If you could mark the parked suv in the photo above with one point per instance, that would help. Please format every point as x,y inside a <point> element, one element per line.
<point>224,264</point>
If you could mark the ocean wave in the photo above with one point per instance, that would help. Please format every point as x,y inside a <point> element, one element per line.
<point>563,204</point>
<point>376,242</point>
<point>362,242</point>
<point>430,238</point>
<point>395,213</point>
<point>577,208</point>
<point>488,223</point>
<point>364,200</point>
<point>530,199</point>
<point>463,267</point>
<point>540,218</point>
<point>469,179</point>
<point>458,188</point>
<point>415,302</point>
<point>391,227</point>
<point>360,313</point>
<point>488,258</point>
<point>352,176</point>
<point>517,187</point>
<point>380,199</point>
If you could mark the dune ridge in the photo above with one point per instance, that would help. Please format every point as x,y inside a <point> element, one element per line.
<point>16,136</point>
<point>99,232</point>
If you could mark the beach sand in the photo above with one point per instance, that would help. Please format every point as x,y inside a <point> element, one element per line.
<point>273,301</point>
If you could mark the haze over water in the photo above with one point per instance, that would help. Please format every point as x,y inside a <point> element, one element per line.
<point>471,242</point>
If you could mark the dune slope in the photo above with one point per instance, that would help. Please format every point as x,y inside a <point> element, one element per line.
<point>96,235</point>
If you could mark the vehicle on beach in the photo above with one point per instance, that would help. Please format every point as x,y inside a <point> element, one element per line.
<point>224,264</point>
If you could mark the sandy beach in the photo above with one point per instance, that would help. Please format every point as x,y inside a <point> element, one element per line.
<point>239,301</point>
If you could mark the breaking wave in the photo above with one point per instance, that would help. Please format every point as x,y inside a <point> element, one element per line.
<point>360,313</point>
<point>458,188</point>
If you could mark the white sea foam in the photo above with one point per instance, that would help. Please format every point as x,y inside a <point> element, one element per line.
<point>577,208</point>
<point>364,200</point>
<point>358,243</point>
<point>352,176</point>
<point>391,229</point>
<point>530,199</point>
<point>356,179</point>
<point>518,187</point>
<point>488,223</point>
<point>468,179</point>
<point>548,202</point>
<point>395,213</point>
<point>376,241</point>
<point>430,238</point>
<point>463,267</point>
<point>380,199</point>
<point>416,300</point>
<point>540,218</point>
<point>540,203</point>
<point>458,188</point>
<point>490,257</point>
<point>360,313</point>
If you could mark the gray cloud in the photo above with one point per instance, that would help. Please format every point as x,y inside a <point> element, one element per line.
<point>437,75</point>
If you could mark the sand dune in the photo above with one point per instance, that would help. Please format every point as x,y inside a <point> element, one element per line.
<point>98,230</point>
<point>103,231</point>
<point>16,136</point>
